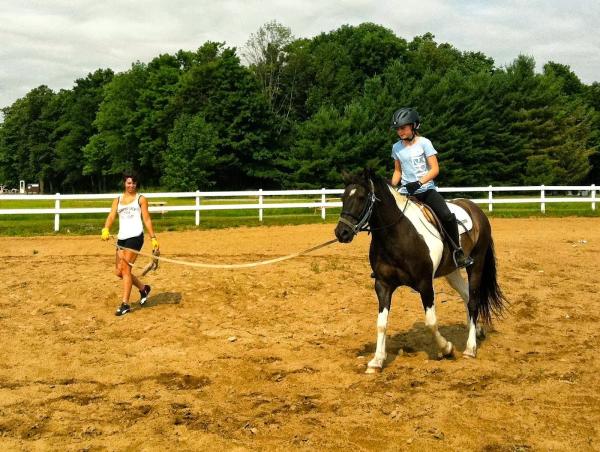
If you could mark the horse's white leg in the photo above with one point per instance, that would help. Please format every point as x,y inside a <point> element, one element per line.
<point>445,346</point>
<point>384,297</point>
<point>459,284</point>
<point>376,364</point>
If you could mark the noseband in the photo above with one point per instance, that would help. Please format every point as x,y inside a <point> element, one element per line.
<point>363,219</point>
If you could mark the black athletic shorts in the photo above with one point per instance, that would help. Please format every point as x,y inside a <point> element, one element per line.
<point>135,243</point>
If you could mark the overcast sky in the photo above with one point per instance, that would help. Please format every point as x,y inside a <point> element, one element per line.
<point>54,42</point>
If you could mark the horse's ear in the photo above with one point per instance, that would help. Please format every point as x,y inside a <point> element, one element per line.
<point>346,177</point>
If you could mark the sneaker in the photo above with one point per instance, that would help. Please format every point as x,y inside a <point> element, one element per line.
<point>460,260</point>
<point>123,309</point>
<point>144,294</point>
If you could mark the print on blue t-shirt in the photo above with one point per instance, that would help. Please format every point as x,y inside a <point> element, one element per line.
<point>413,161</point>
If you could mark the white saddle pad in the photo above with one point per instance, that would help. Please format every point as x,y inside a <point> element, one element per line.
<point>464,220</point>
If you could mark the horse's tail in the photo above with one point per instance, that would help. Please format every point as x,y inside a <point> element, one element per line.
<point>490,299</point>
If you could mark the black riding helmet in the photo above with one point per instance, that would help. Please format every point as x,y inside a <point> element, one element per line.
<point>405,116</point>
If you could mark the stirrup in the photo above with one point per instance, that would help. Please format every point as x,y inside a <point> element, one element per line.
<point>460,259</point>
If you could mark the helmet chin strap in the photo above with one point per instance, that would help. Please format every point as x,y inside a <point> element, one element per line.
<point>411,139</point>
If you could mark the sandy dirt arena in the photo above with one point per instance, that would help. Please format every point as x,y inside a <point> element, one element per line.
<point>273,358</point>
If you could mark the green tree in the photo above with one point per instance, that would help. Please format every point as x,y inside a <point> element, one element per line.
<point>568,80</point>
<point>75,112</point>
<point>570,156</point>
<point>229,98</point>
<point>591,95</point>
<point>301,112</point>
<point>25,151</point>
<point>330,141</point>
<point>331,68</point>
<point>116,145</point>
<point>190,163</point>
<point>156,113</point>
<point>427,56</point>
<point>458,118</point>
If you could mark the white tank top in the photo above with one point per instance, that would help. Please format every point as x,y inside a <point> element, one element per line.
<point>130,219</point>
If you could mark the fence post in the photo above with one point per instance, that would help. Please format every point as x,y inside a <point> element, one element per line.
<point>260,203</point>
<point>197,205</point>
<point>323,203</point>
<point>543,198</point>
<point>593,189</point>
<point>57,215</point>
<point>490,199</point>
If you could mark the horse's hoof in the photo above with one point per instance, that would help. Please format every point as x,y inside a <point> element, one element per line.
<point>470,353</point>
<point>449,353</point>
<point>373,370</point>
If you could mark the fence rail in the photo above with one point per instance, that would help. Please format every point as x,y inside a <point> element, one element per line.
<point>323,204</point>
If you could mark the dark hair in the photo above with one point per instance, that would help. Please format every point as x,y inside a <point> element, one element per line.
<point>130,174</point>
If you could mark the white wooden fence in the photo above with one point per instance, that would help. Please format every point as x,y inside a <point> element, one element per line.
<point>328,198</point>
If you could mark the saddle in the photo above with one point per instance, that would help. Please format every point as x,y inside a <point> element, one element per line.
<point>429,214</point>
<point>465,223</point>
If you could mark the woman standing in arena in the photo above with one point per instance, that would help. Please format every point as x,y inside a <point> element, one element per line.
<point>132,208</point>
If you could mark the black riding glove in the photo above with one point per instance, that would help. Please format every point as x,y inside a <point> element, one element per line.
<point>412,187</point>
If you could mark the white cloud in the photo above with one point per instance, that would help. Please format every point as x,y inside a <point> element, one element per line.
<point>55,42</point>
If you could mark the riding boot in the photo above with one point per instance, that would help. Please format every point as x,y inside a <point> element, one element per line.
<point>458,255</point>
<point>460,260</point>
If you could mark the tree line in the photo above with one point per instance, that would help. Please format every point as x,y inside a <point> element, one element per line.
<point>290,112</point>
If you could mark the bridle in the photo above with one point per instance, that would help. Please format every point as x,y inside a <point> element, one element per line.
<point>362,221</point>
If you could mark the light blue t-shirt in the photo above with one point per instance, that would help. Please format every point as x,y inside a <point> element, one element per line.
<point>413,160</point>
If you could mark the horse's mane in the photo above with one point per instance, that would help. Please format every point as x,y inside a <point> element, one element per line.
<point>382,187</point>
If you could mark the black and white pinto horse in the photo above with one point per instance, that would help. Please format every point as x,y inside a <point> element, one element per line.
<point>407,250</point>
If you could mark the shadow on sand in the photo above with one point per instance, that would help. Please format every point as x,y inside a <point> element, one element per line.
<point>159,299</point>
<point>419,339</point>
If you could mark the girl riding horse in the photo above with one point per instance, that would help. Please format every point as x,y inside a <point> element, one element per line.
<point>416,166</point>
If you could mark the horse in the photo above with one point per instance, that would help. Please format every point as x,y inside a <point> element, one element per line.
<point>407,250</point>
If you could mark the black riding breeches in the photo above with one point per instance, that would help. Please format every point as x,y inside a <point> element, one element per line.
<point>437,203</point>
